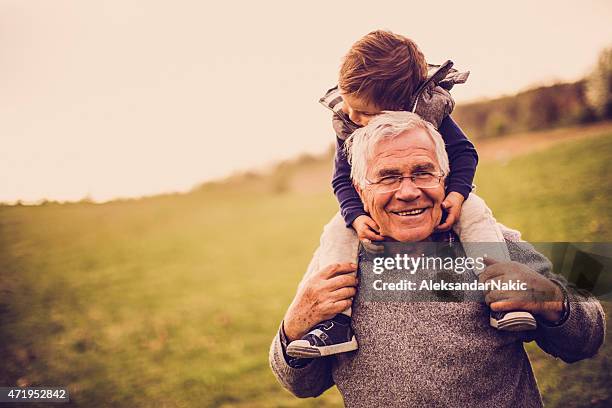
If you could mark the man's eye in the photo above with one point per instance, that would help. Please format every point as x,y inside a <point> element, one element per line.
<point>388,180</point>
<point>422,175</point>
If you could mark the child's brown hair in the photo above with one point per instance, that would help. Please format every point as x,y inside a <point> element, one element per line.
<point>384,69</point>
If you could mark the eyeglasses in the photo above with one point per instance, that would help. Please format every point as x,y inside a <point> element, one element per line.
<point>388,184</point>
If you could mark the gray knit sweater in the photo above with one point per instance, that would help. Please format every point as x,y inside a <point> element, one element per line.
<point>442,354</point>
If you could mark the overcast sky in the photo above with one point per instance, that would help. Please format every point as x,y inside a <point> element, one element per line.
<point>126,98</point>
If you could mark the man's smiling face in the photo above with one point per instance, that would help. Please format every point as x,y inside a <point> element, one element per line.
<point>409,213</point>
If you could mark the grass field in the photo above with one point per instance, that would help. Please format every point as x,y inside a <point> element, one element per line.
<point>172,301</point>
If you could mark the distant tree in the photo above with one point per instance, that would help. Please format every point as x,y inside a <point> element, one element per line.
<point>543,111</point>
<point>86,200</point>
<point>496,124</point>
<point>599,85</point>
<point>281,182</point>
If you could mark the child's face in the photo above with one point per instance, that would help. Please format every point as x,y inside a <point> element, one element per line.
<point>359,110</point>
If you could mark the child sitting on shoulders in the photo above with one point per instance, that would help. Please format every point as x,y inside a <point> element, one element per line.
<point>384,71</point>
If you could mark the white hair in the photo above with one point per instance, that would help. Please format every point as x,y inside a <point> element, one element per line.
<point>360,145</point>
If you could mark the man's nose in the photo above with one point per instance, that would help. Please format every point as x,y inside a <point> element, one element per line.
<point>408,191</point>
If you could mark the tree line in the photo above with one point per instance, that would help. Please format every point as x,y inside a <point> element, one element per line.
<point>564,104</point>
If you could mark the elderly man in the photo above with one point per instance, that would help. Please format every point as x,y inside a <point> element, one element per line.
<point>427,353</point>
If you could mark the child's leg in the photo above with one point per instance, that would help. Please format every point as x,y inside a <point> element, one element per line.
<point>338,244</point>
<point>481,235</point>
<point>479,232</point>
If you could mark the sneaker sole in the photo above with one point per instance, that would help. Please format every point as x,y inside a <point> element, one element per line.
<point>303,349</point>
<point>515,321</point>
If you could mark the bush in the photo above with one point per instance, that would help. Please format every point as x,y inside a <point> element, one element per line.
<point>599,86</point>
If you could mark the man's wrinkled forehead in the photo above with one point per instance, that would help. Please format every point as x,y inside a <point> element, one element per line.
<point>409,152</point>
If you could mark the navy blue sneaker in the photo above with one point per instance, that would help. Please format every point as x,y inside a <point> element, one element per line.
<point>326,338</point>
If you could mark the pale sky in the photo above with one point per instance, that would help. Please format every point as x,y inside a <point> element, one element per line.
<point>127,98</point>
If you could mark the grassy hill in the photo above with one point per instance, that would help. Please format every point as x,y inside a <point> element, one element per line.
<point>173,300</point>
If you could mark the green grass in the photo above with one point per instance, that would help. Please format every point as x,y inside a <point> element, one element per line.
<point>560,194</point>
<point>173,301</point>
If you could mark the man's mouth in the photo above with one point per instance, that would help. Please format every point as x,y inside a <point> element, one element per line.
<point>410,213</point>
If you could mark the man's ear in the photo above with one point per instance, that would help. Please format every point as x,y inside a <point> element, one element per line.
<point>360,192</point>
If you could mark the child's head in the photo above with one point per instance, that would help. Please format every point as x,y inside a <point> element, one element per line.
<point>380,72</point>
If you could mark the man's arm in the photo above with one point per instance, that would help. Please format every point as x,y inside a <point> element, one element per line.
<point>310,380</point>
<point>302,380</point>
<point>580,333</point>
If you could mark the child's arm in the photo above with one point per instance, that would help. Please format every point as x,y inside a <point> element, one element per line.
<point>463,160</point>
<point>462,157</point>
<point>351,207</point>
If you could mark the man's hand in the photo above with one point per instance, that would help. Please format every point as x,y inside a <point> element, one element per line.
<point>452,204</point>
<point>367,229</point>
<point>542,297</point>
<point>320,297</point>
